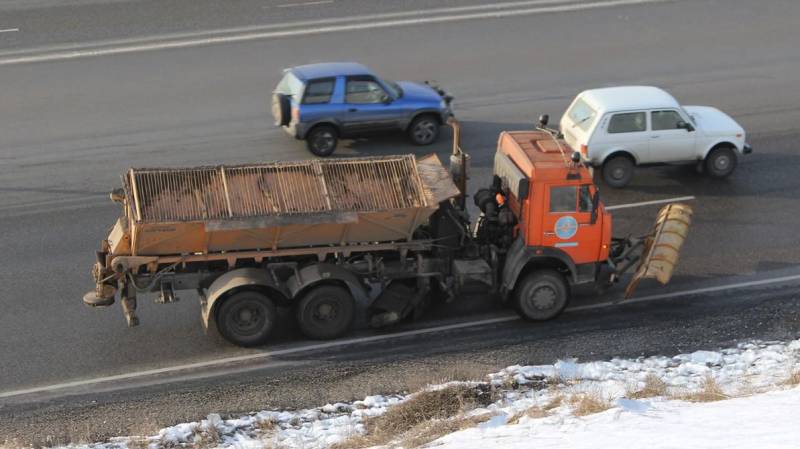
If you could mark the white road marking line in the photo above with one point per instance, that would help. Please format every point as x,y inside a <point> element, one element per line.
<point>261,28</point>
<point>375,23</point>
<point>375,338</point>
<point>294,5</point>
<point>257,356</point>
<point>696,291</point>
<point>9,30</point>
<point>650,203</point>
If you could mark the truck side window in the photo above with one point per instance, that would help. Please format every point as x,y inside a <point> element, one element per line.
<point>563,199</point>
<point>628,122</point>
<point>319,91</point>
<point>585,199</point>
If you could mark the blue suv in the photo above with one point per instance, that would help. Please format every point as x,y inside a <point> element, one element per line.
<point>320,103</point>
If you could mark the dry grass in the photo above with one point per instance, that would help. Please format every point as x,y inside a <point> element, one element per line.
<point>207,437</point>
<point>793,379</point>
<point>266,424</point>
<point>710,391</point>
<point>138,443</point>
<point>455,372</point>
<point>422,417</point>
<point>554,402</point>
<point>653,387</point>
<point>534,412</point>
<point>431,430</point>
<point>588,403</point>
<point>63,437</point>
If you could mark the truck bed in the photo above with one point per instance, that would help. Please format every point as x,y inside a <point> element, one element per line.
<point>279,205</point>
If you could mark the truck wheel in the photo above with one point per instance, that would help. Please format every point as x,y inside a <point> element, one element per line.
<point>246,318</point>
<point>541,295</point>
<point>281,109</point>
<point>326,312</point>
<point>721,162</point>
<point>322,140</point>
<point>618,171</point>
<point>424,130</point>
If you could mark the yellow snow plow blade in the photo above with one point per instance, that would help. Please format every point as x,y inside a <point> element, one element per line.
<point>662,246</point>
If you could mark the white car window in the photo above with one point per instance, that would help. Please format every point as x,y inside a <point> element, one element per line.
<point>627,122</point>
<point>663,120</point>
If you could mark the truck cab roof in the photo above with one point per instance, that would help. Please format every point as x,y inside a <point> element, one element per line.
<point>539,155</point>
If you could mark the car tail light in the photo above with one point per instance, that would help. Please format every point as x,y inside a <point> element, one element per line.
<point>585,150</point>
<point>296,114</point>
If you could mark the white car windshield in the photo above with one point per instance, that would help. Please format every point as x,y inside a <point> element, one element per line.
<point>581,114</point>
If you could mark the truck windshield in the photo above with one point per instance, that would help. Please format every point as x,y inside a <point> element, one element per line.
<point>290,86</point>
<point>581,114</point>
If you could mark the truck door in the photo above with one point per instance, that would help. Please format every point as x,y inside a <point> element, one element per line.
<point>567,222</point>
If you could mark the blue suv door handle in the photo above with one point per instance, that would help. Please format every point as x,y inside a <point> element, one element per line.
<point>352,110</point>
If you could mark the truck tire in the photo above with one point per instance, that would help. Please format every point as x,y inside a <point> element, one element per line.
<point>322,140</point>
<point>424,130</point>
<point>721,162</point>
<point>618,171</point>
<point>541,295</point>
<point>281,109</point>
<point>246,318</point>
<point>325,312</point>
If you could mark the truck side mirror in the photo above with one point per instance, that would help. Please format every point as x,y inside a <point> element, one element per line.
<point>685,125</point>
<point>595,204</point>
<point>544,119</point>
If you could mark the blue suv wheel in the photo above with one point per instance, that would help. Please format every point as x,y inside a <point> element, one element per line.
<point>322,140</point>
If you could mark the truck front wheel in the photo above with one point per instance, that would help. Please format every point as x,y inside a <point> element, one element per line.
<point>541,295</point>
<point>246,318</point>
<point>325,312</point>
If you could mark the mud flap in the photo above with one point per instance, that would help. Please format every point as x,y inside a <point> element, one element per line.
<point>662,246</point>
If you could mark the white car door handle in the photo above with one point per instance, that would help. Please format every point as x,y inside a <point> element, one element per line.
<point>654,137</point>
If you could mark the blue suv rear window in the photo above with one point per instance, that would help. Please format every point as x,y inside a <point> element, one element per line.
<point>319,91</point>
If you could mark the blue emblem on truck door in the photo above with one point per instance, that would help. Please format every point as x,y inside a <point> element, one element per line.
<point>566,227</point>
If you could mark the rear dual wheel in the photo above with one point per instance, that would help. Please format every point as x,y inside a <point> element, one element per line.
<point>325,312</point>
<point>246,318</point>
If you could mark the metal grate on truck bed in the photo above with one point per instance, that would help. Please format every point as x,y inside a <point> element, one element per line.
<point>279,188</point>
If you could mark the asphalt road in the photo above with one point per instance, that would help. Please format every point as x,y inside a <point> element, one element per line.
<point>69,127</point>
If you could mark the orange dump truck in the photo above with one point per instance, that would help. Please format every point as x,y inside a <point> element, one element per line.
<point>370,239</point>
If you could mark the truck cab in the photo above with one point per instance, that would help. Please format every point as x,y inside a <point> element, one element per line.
<point>562,232</point>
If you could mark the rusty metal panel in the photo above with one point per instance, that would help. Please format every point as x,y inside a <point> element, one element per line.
<point>279,188</point>
<point>663,245</point>
<point>282,205</point>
